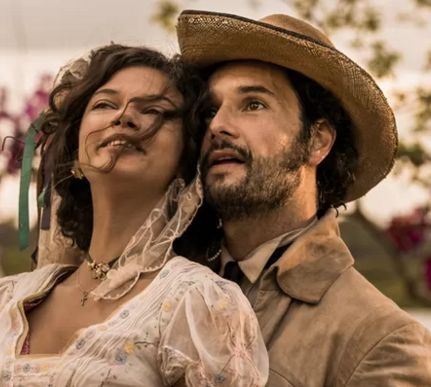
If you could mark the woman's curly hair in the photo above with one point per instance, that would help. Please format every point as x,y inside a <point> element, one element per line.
<point>67,104</point>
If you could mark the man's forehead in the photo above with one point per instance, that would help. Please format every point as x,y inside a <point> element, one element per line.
<point>246,73</point>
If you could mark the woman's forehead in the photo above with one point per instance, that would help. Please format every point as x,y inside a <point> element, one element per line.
<point>141,81</point>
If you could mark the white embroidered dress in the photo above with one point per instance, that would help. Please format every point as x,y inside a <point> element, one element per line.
<point>187,323</point>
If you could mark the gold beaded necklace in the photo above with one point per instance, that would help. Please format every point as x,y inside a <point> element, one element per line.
<point>99,270</point>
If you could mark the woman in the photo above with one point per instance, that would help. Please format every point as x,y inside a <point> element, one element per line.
<point>122,141</point>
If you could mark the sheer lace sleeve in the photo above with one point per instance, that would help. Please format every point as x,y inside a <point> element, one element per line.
<point>210,337</point>
<point>6,290</point>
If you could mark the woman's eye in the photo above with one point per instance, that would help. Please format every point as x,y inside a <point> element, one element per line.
<point>254,105</point>
<point>103,105</point>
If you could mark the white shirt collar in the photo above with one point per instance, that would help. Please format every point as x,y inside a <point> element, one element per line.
<point>254,263</point>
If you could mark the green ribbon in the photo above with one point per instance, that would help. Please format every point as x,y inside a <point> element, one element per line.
<point>41,201</point>
<point>24,184</point>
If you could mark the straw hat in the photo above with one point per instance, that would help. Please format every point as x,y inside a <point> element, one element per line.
<point>207,38</point>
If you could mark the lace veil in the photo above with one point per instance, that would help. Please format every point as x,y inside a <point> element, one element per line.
<point>151,246</point>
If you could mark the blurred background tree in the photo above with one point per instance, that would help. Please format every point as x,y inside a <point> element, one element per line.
<point>404,245</point>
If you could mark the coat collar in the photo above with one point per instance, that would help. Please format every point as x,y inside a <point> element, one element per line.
<point>313,262</point>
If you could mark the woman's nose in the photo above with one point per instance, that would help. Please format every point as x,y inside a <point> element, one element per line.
<point>126,120</point>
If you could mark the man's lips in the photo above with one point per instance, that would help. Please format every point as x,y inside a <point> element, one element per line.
<point>224,157</point>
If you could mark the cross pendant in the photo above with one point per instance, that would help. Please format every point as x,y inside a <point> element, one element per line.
<point>84,298</point>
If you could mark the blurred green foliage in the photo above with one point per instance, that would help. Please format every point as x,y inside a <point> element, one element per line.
<point>12,259</point>
<point>166,13</point>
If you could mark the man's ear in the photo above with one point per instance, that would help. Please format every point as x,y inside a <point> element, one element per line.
<point>322,139</point>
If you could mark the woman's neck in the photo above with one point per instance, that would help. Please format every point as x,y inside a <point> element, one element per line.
<point>116,218</point>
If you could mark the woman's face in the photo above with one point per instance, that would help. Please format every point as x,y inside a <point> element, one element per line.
<point>117,116</point>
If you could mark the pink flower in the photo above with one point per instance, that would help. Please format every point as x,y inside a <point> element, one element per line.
<point>409,231</point>
<point>34,105</point>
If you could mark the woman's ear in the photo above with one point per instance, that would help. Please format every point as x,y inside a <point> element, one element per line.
<point>322,139</point>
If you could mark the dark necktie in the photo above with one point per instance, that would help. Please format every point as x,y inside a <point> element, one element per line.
<point>233,272</point>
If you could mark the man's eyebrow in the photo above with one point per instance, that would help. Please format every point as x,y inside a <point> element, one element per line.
<point>255,89</point>
<point>147,98</point>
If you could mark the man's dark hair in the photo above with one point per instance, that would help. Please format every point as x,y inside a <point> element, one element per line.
<point>336,173</point>
<point>68,101</point>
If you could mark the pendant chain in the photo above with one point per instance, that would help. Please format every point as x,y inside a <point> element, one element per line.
<point>99,271</point>
<point>84,293</point>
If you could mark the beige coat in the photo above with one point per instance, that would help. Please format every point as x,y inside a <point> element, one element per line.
<point>324,324</point>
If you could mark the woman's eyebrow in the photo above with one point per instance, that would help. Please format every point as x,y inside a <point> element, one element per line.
<point>147,98</point>
<point>105,91</point>
<point>152,98</point>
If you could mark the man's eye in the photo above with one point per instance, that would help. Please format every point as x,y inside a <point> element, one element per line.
<point>152,111</point>
<point>210,113</point>
<point>254,105</point>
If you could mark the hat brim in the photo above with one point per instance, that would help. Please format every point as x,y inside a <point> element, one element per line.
<point>208,38</point>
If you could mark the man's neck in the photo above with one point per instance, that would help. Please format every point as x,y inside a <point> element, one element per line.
<point>242,236</point>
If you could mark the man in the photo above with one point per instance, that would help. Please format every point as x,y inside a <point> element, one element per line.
<point>295,128</point>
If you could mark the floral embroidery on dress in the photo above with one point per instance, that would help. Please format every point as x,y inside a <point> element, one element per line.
<point>6,376</point>
<point>80,344</point>
<point>89,334</point>
<point>129,347</point>
<point>120,356</point>
<point>166,306</point>
<point>164,273</point>
<point>219,378</point>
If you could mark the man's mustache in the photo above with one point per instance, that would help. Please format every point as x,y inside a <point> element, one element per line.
<point>222,144</point>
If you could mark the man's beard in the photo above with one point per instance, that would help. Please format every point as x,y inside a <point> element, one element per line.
<point>268,184</point>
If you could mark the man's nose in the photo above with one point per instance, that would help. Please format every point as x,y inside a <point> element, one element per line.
<point>222,125</point>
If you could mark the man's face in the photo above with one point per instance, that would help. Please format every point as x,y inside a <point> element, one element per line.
<point>252,155</point>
